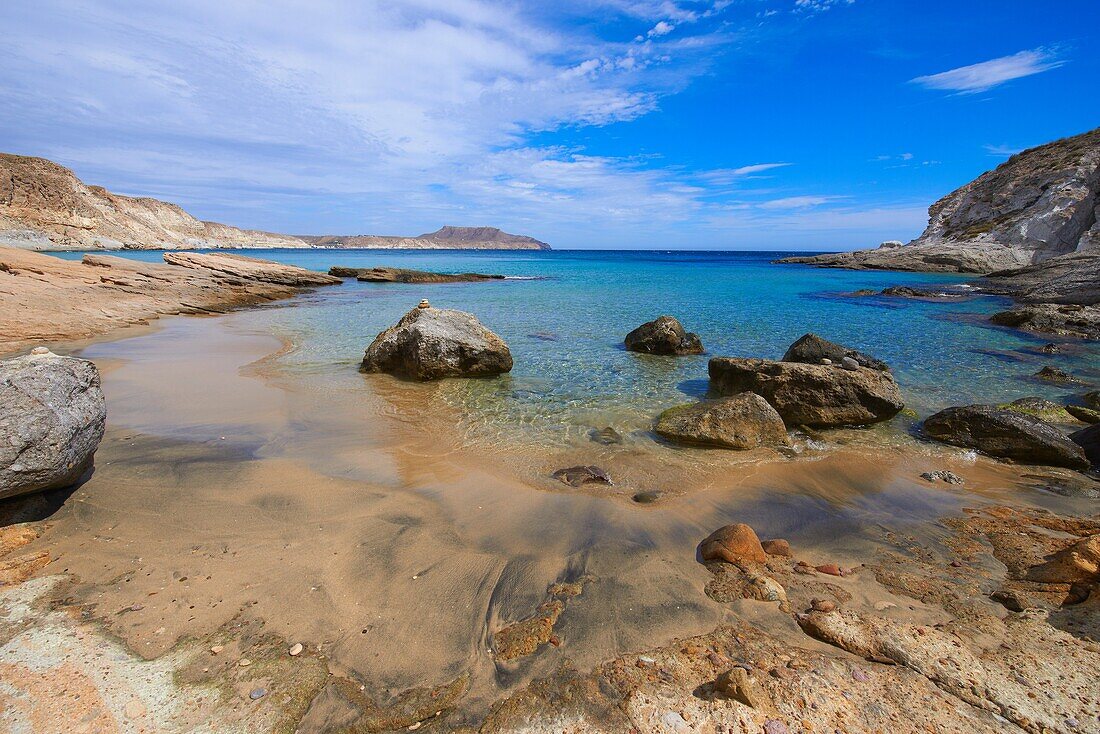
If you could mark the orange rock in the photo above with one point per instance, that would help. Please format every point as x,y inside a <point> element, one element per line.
<point>733,543</point>
<point>777,547</point>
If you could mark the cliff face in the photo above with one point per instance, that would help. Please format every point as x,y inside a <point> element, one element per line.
<point>1039,204</point>
<point>44,206</point>
<point>444,238</point>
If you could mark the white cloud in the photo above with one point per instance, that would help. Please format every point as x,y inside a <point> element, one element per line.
<point>1002,151</point>
<point>798,202</point>
<point>817,6</point>
<point>663,28</point>
<point>988,74</point>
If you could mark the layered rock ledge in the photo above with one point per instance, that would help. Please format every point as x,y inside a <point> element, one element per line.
<point>45,299</point>
<point>401,275</point>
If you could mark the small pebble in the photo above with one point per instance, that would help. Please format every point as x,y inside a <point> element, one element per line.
<point>1073,723</point>
<point>244,662</point>
<point>774,726</point>
<point>882,606</point>
<point>417,725</point>
<point>822,605</point>
<point>216,649</point>
<point>296,649</point>
<point>134,709</point>
<point>257,693</point>
<point>136,607</point>
<point>829,568</point>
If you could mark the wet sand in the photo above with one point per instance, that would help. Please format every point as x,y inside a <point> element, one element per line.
<point>350,516</point>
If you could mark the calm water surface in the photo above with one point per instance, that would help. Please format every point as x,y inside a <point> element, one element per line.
<point>564,315</point>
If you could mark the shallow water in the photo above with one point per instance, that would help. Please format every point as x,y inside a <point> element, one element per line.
<point>564,315</point>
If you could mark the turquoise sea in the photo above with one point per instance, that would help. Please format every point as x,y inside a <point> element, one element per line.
<point>564,314</point>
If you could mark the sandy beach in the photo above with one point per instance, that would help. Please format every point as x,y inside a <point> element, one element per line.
<point>235,507</point>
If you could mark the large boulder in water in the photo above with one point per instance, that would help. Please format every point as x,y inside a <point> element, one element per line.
<point>1005,434</point>
<point>814,395</point>
<point>811,349</point>
<point>431,343</point>
<point>52,415</point>
<point>665,335</point>
<point>742,421</point>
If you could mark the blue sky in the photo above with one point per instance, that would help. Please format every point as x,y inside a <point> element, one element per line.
<point>732,124</point>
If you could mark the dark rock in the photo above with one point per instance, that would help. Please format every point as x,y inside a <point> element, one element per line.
<point>1089,441</point>
<point>431,343</point>
<point>1081,413</point>
<point>575,476</point>
<point>1050,349</point>
<point>924,294</point>
<point>1082,322</point>
<point>1092,399</point>
<point>1013,601</point>
<point>401,275</point>
<point>52,415</point>
<point>607,436</point>
<point>1057,375</point>
<point>646,498</point>
<point>811,349</point>
<point>813,395</point>
<point>734,543</point>
<point>742,421</point>
<point>663,336</point>
<point>1005,434</point>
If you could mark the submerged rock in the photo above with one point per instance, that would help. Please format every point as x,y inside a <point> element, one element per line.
<point>606,436</point>
<point>734,543</point>
<point>1082,322</point>
<point>742,421</point>
<point>1040,408</point>
<point>812,349</point>
<point>1057,375</point>
<point>575,476</point>
<point>431,343</point>
<point>402,275</point>
<point>1092,399</point>
<point>814,395</point>
<point>942,475</point>
<point>1005,434</point>
<point>665,336</point>
<point>52,416</point>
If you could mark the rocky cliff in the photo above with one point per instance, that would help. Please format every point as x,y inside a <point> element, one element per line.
<point>1038,205</point>
<point>444,238</point>
<point>44,206</point>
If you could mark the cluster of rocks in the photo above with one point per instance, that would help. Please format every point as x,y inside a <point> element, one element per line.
<point>817,384</point>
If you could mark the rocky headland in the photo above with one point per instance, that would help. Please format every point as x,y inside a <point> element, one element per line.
<point>47,299</point>
<point>1029,226</point>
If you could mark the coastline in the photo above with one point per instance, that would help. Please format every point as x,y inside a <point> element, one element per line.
<point>409,549</point>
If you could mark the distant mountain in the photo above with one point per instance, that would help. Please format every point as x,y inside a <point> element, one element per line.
<point>1040,204</point>
<point>44,206</point>
<point>444,238</point>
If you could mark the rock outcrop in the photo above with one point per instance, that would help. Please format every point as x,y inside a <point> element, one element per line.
<point>743,421</point>
<point>432,343</point>
<point>813,395</point>
<point>52,416</point>
<point>401,275</point>
<point>1005,434</point>
<point>1089,441</point>
<point>444,238</point>
<point>44,206</point>
<point>664,335</point>
<point>44,298</point>
<point>811,349</point>
<point>1080,322</point>
<point>1040,204</point>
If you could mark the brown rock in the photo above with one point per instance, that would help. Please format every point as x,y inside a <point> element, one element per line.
<point>732,544</point>
<point>829,568</point>
<point>777,547</point>
<point>664,336</point>
<point>1080,562</point>
<point>743,421</point>
<point>737,683</point>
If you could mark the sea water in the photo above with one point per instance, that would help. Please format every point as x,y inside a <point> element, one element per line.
<point>564,315</point>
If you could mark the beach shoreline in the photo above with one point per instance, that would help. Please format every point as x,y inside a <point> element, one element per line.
<point>243,509</point>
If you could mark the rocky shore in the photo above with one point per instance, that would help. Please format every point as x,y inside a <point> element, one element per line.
<point>1029,227</point>
<point>46,299</point>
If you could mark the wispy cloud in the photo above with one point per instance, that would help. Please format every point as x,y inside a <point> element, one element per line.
<point>817,6</point>
<point>988,74</point>
<point>798,202</point>
<point>1002,151</point>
